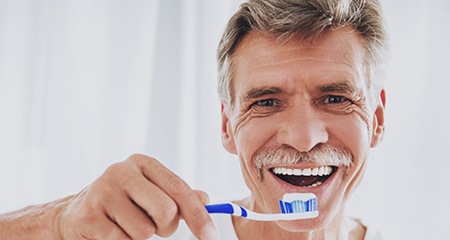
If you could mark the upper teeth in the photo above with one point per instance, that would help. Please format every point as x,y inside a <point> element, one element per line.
<point>317,171</point>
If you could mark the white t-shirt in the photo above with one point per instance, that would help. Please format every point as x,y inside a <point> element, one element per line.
<point>225,230</point>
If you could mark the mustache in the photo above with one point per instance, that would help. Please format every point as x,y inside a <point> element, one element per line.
<point>322,154</point>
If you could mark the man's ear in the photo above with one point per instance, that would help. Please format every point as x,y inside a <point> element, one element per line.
<point>227,132</point>
<point>378,120</point>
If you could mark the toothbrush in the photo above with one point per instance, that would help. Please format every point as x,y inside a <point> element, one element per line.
<point>294,206</point>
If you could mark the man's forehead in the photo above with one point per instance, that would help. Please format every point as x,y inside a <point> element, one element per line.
<point>344,40</point>
<point>260,60</point>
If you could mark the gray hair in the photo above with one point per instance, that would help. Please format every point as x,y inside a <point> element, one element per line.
<point>304,19</point>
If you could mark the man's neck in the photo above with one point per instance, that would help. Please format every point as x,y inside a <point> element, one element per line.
<point>342,227</point>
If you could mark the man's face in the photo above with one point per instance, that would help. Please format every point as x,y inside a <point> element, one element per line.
<point>296,98</point>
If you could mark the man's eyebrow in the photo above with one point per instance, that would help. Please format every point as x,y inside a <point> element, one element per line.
<point>259,92</point>
<point>337,87</point>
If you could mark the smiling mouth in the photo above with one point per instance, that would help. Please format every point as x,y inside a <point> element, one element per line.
<point>306,177</point>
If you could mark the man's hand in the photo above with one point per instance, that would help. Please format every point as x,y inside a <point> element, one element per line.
<point>134,199</point>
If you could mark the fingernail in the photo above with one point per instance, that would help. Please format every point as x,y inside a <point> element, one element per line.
<point>208,232</point>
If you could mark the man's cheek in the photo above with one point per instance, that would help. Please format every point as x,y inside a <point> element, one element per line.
<point>253,135</point>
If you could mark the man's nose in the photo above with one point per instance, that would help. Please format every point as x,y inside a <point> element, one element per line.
<point>303,128</point>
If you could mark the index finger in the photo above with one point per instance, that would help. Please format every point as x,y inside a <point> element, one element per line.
<point>189,205</point>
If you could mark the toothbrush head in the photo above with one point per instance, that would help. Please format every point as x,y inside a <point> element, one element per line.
<point>299,203</point>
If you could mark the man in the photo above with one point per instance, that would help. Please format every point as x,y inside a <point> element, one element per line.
<point>302,104</point>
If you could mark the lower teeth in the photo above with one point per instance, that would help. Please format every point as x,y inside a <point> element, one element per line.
<point>316,184</point>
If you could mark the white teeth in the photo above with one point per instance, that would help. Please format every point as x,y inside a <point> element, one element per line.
<point>321,170</point>
<point>316,184</point>
<point>290,172</point>
<point>307,172</point>
<point>317,171</point>
<point>327,170</point>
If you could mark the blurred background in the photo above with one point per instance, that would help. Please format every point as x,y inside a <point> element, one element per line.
<point>86,83</point>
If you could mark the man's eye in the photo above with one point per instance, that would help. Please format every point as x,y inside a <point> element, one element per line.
<point>265,103</point>
<point>335,99</point>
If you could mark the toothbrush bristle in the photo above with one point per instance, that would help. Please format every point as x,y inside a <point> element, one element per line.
<point>298,203</point>
<point>298,206</point>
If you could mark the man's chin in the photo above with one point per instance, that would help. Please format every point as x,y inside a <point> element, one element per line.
<point>303,225</point>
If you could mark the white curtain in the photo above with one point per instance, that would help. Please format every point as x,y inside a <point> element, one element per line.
<point>86,83</point>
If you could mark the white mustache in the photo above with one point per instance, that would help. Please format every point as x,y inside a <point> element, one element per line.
<point>284,155</point>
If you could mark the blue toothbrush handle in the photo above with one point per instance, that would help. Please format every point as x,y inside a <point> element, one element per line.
<point>225,208</point>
